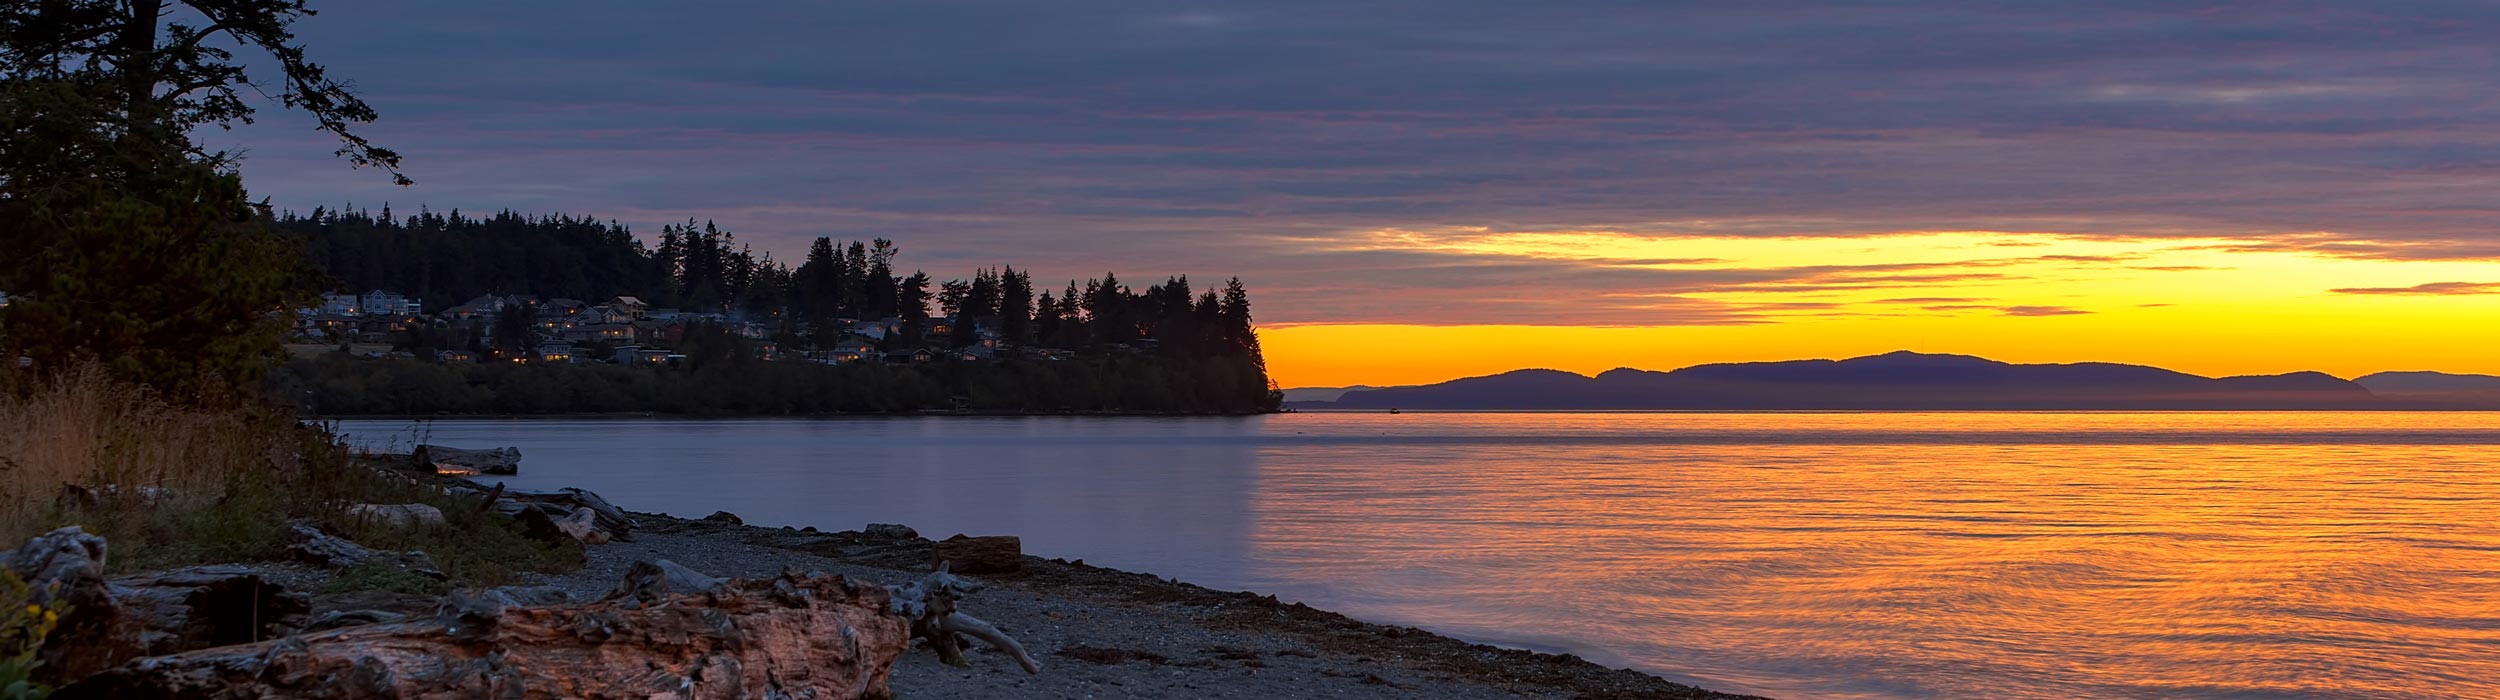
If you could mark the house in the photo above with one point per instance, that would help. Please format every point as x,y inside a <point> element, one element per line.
<point>630,305</point>
<point>454,356</point>
<point>338,305</point>
<point>382,326</point>
<point>466,312</point>
<point>564,307</point>
<point>558,352</point>
<point>910,356</point>
<point>484,306</point>
<point>606,313</point>
<point>328,325</point>
<point>877,329</point>
<point>603,332</point>
<point>388,303</point>
<point>634,355</point>
<point>668,333</point>
<point>853,351</point>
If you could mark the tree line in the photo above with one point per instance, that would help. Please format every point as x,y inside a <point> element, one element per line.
<point>444,259</point>
<point>721,375</point>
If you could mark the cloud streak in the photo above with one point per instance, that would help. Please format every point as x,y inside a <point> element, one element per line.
<point>2428,289</point>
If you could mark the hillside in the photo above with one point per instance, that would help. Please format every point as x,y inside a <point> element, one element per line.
<point>1894,381</point>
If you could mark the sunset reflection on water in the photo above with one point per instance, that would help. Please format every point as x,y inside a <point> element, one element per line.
<point>1926,555</point>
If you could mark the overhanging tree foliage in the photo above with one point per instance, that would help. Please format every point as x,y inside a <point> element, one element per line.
<point>129,244</point>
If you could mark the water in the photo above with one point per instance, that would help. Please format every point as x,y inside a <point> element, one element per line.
<point>1797,555</point>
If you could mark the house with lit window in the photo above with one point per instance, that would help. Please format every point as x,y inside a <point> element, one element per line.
<point>388,303</point>
<point>853,351</point>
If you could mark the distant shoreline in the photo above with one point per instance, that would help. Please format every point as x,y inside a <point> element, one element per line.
<point>1289,408</point>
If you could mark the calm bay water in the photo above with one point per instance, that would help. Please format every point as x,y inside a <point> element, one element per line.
<point>1798,555</point>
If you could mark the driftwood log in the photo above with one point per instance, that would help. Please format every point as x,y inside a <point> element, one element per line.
<point>206,606</point>
<point>502,461</point>
<point>566,513</point>
<point>403,516</point>
<point>790,636</point>
<point>113,620</point>
<point>929,603</point>
<point>996,554</point>
<point>309,544</point>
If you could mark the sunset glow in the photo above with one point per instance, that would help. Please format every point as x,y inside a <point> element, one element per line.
<point>2215,306</point>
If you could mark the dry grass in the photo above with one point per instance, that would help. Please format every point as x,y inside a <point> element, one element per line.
<point>163,483</point>
<point>167,484</point>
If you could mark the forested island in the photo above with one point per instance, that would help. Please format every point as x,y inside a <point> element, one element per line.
<point>514,314</point>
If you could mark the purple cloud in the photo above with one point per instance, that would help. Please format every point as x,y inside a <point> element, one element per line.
<point>2429,289</point>
<point>2042,311</point>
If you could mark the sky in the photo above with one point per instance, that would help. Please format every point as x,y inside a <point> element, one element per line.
<point>1418,190</point>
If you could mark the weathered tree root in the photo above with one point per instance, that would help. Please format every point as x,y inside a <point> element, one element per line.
<point>929,604</point>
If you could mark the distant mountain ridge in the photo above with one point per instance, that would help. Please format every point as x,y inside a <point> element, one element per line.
<point>1899,381</point>
<point>2462,390</point>
<point>2428,382</point>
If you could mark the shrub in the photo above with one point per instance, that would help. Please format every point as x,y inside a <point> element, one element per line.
<point>23,626</point>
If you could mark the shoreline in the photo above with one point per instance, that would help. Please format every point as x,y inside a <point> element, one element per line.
<point>1106,632</point>
<point>739,416</point>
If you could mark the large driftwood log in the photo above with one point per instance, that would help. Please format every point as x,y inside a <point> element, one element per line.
<point>789,636</point>
<point>114,620</point>
<point>207,606</point>
<point>502,461</point>
<point>996,554</point>
<point>929,603</point>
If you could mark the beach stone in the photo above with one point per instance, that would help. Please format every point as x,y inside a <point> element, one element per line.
<point>890,530</point>
<point>979,555</point>
<point>722,516</point>
<point>583,524</point>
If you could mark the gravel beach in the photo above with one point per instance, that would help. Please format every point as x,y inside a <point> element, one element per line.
<point>1102,633</point>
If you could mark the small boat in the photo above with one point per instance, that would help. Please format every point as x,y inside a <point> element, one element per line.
<point>1393,411</point>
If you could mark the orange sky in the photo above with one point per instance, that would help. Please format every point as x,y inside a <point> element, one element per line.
<point>2209,306</point>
